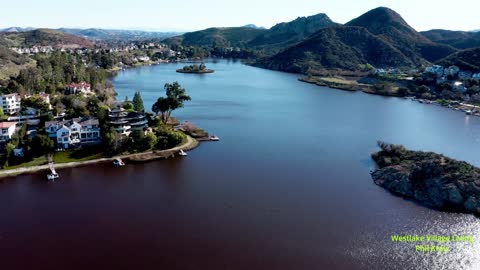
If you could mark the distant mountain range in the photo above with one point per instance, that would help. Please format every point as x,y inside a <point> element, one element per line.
<point>104,34</point>
<point>254,26</point>
<point>118,35</point>
<point>380,37</point>
<point>44,37</point>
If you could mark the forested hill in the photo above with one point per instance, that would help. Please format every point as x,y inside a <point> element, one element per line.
<point>341,47</point>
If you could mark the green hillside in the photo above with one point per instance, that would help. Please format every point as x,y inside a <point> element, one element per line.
<point>341,47</point>
<point>283,35</point>
<point>466,60</point>
<point>218,37</point>
<point>390,26</point>
<point>45,37</point>
<point>458,39</point>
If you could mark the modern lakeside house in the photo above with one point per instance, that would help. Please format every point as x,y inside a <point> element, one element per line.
<point>75,132</point>
<point>124,122</point>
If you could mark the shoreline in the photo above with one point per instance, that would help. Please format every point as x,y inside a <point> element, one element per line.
<point>134,158</point>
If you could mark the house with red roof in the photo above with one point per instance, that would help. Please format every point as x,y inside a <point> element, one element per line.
<point>78,88</point>
<point>7,129</point>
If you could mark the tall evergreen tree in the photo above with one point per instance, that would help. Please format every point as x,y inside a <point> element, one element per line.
<point>138,102</point>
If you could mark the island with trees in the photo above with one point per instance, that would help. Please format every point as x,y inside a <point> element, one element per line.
<point>195,69</point>
<point>429,178</point>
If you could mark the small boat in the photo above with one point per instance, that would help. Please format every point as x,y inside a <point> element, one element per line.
<point>118,163</point>
<point>182,153</point>
<point>468,112</point>
<point>52,176</point>
<point>214,138</point>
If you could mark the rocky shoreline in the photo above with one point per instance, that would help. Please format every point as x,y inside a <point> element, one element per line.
<point>429,178</point>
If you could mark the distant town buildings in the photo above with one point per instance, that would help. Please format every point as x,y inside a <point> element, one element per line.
<point>10,103</point>
<point>74,132</point>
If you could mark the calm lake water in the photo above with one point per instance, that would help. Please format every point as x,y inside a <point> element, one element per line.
<point>287,187</point>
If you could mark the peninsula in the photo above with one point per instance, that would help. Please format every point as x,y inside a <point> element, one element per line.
<point>195,69</point>
<point>429,178</point>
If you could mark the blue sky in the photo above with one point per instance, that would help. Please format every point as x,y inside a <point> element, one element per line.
<point>188,15</point>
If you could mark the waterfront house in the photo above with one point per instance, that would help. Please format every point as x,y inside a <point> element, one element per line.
<point>74,132</point>
<point>452,71</point>
<point>458,86</point>
<point>7,129</point>
<point>124,122</point>
<point>436,69</point>
<point>78,88</point>
<point>465,75</point>
<point>10,103</point>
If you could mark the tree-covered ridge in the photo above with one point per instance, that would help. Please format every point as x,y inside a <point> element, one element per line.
<point>283,35</point>
<point>390,26</point>
<point>457,39</point>
<point>218,37</point>
<point>52,72</point>
<point>466,60</point>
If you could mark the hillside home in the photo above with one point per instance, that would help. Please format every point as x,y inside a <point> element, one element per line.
<point>458,86</point>
<point>10,103</point>
<point>77,88</point>
<point>7,129</point>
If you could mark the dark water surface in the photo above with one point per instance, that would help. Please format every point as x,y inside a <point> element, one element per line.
<point>287,187</point>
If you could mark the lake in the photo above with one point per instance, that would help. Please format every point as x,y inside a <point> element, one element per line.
<point>287,187</point>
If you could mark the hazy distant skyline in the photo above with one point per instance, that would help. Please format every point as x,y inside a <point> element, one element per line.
<point>190,15</point>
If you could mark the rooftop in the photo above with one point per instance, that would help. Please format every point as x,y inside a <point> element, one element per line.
<point>7,124</point>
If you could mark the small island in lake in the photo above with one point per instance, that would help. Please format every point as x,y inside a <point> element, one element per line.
<point>196,69</point>
<point>432,179</point>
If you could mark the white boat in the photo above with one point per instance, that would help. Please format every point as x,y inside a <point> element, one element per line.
<point>52,176</point>
<point>468,112</point>
<point>182,153</point>
<point>118,163</point>
<point>214,138</point>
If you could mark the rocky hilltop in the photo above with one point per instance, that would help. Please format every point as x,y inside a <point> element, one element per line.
<point>432,179</point>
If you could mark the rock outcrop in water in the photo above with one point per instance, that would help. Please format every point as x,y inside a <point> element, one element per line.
<point>432,179</point>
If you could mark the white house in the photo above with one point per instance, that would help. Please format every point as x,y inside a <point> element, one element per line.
<point>11,103</point>
<point>7,129</point>
<point>458,86</point>
<point>74,132</point>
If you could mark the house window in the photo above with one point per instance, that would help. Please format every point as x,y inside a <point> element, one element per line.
<point>84,135</point>
<point>95,135</point>
<point>65,139</point>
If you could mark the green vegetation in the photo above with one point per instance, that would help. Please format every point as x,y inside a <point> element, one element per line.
<point>175,98</point>
<point>35,162</point>
<point>79,155</point>
<point>195,69</point>
<point>458,39</point>
<point>138,102</point>
<point>465,60</point>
